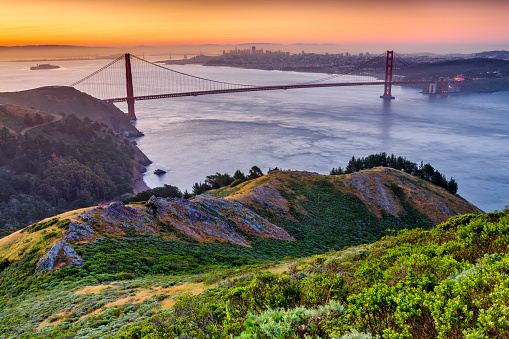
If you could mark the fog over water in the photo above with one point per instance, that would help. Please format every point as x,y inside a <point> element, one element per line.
<point>463,136</point>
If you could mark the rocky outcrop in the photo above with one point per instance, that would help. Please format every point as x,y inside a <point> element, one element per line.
<point>117,210</point>
<point>60,253</point>
<point>267,197</point>
<point>372,190</point>
<point>245,219</point>
<point>120,216</point>
<point>79,232</point>
<point>375,188</point>
<point>209,218</point>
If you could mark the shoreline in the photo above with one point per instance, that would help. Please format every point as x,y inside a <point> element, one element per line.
<point>140,186</point>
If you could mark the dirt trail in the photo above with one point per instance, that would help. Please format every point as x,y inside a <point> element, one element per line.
<point>55,119</point>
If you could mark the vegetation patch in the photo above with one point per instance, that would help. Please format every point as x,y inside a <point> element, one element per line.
<point>61,166</point>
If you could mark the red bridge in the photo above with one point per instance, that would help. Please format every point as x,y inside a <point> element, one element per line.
<point>116,81</point>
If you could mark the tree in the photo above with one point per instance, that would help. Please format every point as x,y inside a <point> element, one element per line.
<point>336,171</point>
<point>426,171</point>
<point>239,175</point>
<point>452,186</point>
<point>38,119</point>
<point>27,120</point>
<point>255,172</point>
<point>167,191</point>
<point>219,180</point>
<point>199,188</point>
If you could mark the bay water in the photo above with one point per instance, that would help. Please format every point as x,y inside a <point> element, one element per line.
<point>463,136</point>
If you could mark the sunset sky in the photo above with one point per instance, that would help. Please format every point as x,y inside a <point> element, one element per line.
<point>161,22</point>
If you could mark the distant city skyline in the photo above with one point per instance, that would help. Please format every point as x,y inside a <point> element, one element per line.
<point>435,26</point>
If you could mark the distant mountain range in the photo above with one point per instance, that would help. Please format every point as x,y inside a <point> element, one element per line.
<point>494,54</point>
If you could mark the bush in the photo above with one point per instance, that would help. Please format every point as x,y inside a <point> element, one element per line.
<point>236,182</point>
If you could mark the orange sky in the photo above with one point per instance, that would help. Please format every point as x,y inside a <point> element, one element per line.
<point>158,22</point>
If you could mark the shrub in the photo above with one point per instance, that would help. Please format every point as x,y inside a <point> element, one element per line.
<point>236,182</point>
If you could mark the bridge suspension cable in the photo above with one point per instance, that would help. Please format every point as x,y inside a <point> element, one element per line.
<point>152,79</point>
<point>148,78</point>
<point>410,71</point>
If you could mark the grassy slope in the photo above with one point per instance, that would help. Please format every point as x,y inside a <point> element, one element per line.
<point>392,282</point>
<point>449,282</point>
<point>143,274</point>
<point>60,99</point>
<point>11,116</point>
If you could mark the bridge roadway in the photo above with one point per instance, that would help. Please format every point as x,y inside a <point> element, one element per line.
<point>264,88</point>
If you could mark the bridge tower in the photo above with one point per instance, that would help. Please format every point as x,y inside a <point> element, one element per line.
<point>388,76</point>
<point>129,85</point>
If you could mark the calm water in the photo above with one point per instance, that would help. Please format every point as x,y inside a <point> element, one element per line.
<point>463,136</point>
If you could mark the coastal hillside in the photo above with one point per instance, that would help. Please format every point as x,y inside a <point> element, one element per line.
<point>93,271</point>
<point>298,209</point>
<point>52,163</point>
<point>61,100</point>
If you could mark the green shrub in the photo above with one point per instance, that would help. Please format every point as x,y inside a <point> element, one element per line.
<point>236,182</point>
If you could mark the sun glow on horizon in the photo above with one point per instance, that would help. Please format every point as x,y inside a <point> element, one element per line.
<point>158,22</point>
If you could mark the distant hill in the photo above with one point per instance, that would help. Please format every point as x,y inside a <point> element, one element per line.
<point>61,100</point>
<point>470,68</point>
<point>502,55</point>
<point>482,75</point>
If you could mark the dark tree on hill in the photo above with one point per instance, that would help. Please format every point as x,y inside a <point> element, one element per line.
<point>167,191</point>
<point>199,188</point>
<point>38,119</point>
<point>424,171</point>
<point>255,172</point>
<point>336,171</point>
<point>27,120</point>
<point>219,180</point>
<point>239,175</point>
<point>452,186</point>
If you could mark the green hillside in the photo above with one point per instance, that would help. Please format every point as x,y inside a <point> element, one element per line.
<point>96,272</point>
<point>449,282</point>
<point>51,164</point>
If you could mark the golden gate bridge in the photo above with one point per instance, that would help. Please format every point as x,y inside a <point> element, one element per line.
<point>130,78</point>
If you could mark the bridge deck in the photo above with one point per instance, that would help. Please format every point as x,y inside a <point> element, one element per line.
<point>265,88</point>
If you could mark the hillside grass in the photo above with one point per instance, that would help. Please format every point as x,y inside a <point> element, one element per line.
<point>447,282</point>
<point>129,280</point>
<point>12,117</point>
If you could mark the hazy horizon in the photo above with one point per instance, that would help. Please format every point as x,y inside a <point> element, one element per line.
<point>34,52</point>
